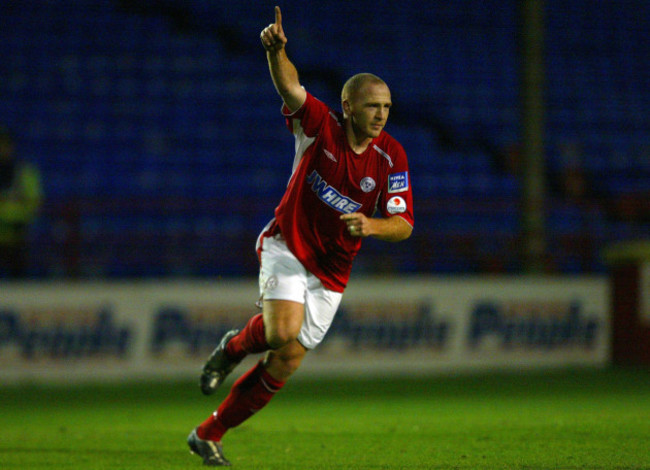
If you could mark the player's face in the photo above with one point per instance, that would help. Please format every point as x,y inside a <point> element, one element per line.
<point>369,110</point>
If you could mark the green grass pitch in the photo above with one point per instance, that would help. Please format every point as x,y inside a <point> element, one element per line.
<point>578,419</point>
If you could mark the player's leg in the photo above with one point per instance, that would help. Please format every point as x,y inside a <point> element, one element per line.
<point>256,387</point>
<point>249,394</point>
<point>287,324</point>
<point>277,326</point>
<point>292,326</point>
<point>253,390</point>
<point>283,362</point>
<point>282,322</point>
<point>282,283</point>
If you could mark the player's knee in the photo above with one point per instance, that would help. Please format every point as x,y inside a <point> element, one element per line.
<point>282,324</point>
<point>281,335</point>
<point>283,363</point>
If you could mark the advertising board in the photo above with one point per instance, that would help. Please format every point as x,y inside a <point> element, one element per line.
<point>390,325</point>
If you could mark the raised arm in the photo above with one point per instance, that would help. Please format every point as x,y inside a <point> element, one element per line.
<point>283,72</point>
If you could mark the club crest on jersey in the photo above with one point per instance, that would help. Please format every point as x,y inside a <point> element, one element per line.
<point>271,283</point>
<point>398,182</point>
<point>367,184</point>
<point>330,195</point>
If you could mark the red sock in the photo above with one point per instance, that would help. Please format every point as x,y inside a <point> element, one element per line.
<point>250,340</point>
<point>249,394</point>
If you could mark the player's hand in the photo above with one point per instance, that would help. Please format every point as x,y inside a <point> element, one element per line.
<point>358,224</point>
<point>273,38</point>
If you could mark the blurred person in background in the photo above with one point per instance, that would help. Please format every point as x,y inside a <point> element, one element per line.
<point>20,199</point>
<point>345,168</point>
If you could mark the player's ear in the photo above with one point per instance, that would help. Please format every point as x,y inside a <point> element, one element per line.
<point>345,104</point>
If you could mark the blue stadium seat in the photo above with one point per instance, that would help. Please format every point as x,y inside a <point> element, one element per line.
<point>113,103</point>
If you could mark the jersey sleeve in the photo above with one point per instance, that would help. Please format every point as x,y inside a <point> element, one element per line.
<point>397,196</point>
<point>309,117</point>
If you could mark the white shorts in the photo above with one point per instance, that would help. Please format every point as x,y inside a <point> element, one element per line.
<point>283,277</point>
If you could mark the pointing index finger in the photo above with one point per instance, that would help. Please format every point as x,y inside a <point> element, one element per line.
<point>278,16</point>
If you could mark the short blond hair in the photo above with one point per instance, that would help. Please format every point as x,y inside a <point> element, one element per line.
<point>355,82</point>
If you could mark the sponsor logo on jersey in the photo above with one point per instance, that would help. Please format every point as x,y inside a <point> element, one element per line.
<point>330,195</point>
<point>398,182</point>
<point>396,205</point>
<point>367,184</point>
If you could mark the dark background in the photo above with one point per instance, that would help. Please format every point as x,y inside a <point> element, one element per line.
<point>157,129</point>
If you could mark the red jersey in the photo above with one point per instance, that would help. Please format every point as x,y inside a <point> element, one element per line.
<point>330,179</point>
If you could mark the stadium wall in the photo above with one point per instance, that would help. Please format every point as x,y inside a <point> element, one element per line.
<point>145,329</point>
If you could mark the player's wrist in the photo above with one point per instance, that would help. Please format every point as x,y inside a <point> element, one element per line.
<point>274,48</point>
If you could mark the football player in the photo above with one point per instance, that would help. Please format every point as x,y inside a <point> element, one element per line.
<point>350,181</point>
